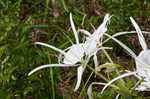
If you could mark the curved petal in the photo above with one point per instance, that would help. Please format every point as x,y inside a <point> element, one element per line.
<point>107,17</point>
<point>118,34</point>
<point>137,76</point>
<point>49,65</point>
<point>123,33</point>
<point>79,78</point>
<point>102,28</point>
<point>52,47</point>
<point>95,61</point>
<point>92,26</point>
<point>123,45</point>
<point>119,77</point>
<point>85,32</point>
<point>140,35</point>
<point>117,97</point>
<point>89,92</point>
<point>127,49</point>
<point>74,29</point>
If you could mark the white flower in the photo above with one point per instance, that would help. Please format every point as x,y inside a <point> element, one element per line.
<point>93,39</point>
<point>75,53</point>
<point>142,67</point>
<point>142,61</point>
<point>91,44</point>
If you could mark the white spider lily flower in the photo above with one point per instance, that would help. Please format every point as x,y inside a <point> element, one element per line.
<point>92,39</point>
<point>129,73</point>
<point>76,52</point>
<point>73,55</point>
<point>91,43</point>
<point>142,61</point>
<point>143,70</point>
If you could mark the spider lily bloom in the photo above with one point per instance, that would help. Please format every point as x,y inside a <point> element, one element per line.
<point>142,61</point>
<point>72,56</point>
<point>143,70</point>
<point>92,40</point>
<point>90,46</point>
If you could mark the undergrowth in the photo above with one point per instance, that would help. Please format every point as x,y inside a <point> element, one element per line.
<point>23,22</point>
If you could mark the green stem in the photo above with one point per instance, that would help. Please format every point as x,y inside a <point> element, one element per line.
<point>133,88</point>
<point>105,52</point>
<point>109,58</point>
<point>52,80</point>
<point>46,7</point>
<point>100,75</point>
<point>99,83</point>
<point>83,89</point>
<point>107,55</point>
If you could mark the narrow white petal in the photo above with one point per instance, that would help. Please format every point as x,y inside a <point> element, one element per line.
<point>139,77</point>
<point>89,92</point>
<point>117,97</point>
<point>95,61</point>
<point>123,33</point>
<point>118,34</point>
<point>140,35</point>
<point>52,47</point>
<point>102,28</point>
<point>79,77</point>
<point>107,17</point>
<point>123,45</point>
<point>85,32</point>
<point>74,29</point>
<point>119,77</point>
<point>92,26</point>
<point>49,65</point>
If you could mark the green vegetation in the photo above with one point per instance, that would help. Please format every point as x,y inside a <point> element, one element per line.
<point>23,22</point>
